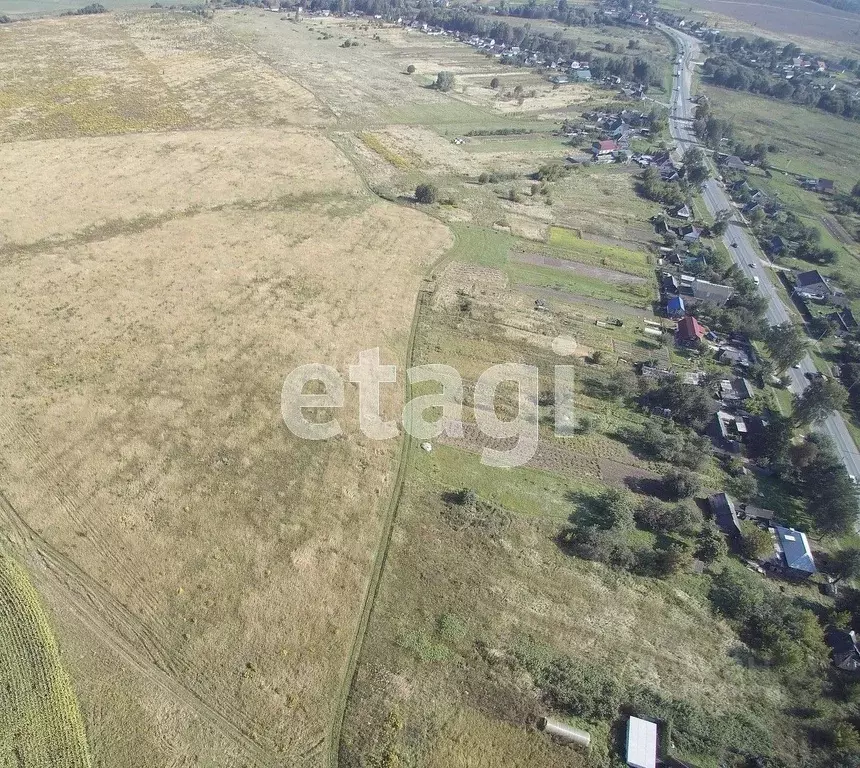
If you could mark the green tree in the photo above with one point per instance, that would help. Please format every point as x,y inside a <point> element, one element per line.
<point>711,544</point>
<point>444,81</point>
<point>681,483</point>
<point>672,558</point>
<point>426,193</point>
<point>756,544</point>
<point>721,223</point>
<point>736,594</point>
<point>831,496</point>
<point>744,486</point>
<point>845,564</point>
<point>822,397</point>
<point>787,345</point>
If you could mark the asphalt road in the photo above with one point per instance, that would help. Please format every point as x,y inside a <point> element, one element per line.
<point>744,251</point>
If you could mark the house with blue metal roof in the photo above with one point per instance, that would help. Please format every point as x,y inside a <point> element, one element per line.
<point>793,552</point>
<point>675,307</point>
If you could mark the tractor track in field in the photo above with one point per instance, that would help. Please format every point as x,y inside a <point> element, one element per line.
<point>104,618</point>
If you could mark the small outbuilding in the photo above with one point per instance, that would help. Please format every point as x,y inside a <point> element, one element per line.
<point>844,649</point>
<point>675,307</point>
<point>725,514</point>
<point>641,743</point>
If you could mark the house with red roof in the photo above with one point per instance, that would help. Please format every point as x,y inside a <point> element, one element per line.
<point>689,330</point>
<point>605,147</point>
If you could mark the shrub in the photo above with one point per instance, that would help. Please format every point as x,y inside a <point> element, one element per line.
<point>410,70</point>
<point>673,557</point>
<point>582,690</point>
<point>711,544</point>
<point>494,83</point>
<point>756,544</point>
<point>653,515</point>
<point>444,81</point>
<point>426,193</point>
<point>681,483</point>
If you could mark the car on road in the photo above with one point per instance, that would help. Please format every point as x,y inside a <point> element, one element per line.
<point>735,244</point>
<point>796,366</point>
<point>753,265</point>
<point>755,279</point>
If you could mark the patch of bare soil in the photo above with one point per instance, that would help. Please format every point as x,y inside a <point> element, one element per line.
<point>612,308</point>
<point>586,270</point>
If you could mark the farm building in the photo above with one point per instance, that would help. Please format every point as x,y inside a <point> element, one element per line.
<point>605,147</point>
<point>641,743</point>
<point>712,292</point>
<point>725,514</point>
<point>793,553</point>
<point>734,163</point>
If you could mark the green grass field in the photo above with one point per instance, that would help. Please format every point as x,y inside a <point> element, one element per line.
<point>810,142</point>
<point>40,723</point>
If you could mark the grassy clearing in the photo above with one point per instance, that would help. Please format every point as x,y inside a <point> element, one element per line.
<point>40,723</point>
<point>572,246</point>
<point>530,492</point>
<point>637,295</point>
<point>811,142</point>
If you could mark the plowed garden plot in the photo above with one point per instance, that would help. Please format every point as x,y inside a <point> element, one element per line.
<point>568,297</point>
<point>598,273</point>
<point>620,475</point>
<point>584,458</point>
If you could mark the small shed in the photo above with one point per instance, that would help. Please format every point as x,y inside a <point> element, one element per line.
<point>751,512</point>
<point>675,307</point>
<point>641,743</point>
<point>725,514</point>
<point>844,650</point>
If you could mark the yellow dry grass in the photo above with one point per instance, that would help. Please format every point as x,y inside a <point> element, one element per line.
<point>205,566</point>
<point>126,177</point>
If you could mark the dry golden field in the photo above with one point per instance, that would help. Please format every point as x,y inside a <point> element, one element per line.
<point>163,267</point>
